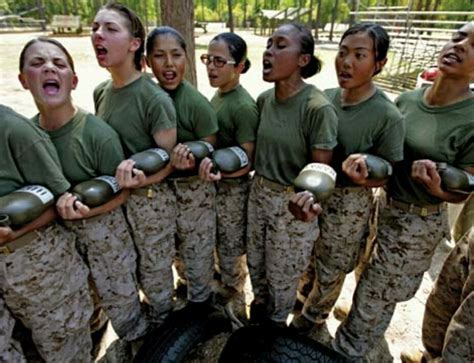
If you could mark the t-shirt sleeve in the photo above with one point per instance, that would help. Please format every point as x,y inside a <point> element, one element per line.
<point>246,122</point>
<point>465,156</point>
<point>161,114</point>
<point>321,126</point>
<point>39,163</point>
<point>204,119</point>
<point>389,143</point>
<point>111,155</point>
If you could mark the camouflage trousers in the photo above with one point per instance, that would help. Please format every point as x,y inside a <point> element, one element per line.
<point>10,349</point>
<point>152,219</point>
<point>231,207</point>
<point>344,226</point>
<point>107,247</point>
<point>465,220</point>
<point>403,252</point>
<point>44,284</point>
<point>448,324</point>
<point>278,249</point>
<point>195,234</point>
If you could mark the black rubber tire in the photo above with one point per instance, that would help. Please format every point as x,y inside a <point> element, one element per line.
<point>270,344</point>
<point>181,332</point>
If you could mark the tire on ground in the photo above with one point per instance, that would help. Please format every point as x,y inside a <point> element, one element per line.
<point>181,332</point>
<point>263,344</point>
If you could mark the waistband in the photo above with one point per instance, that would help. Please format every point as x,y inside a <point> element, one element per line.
<point>184,179</point>
<point>72,222</point>
<point>148,192</point>
<point>277,187</point>
<point>423,211</point>
<point>20,242</point>
<point>235,181</point>
<point>349,188</point>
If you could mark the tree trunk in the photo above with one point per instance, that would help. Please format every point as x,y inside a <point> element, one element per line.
<point>157,12</point>
<point>244,21</point>
<point>39,5</point>
<point>180,15</point>
<point>318,19</point>
<point>333,19</point>
<point>231,17</point>
<point>353,8</point>
<point>65,7</point>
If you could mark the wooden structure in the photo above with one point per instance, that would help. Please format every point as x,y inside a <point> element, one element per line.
<point>269,20</point>
<point>416,39</point>
<point>62,24</point>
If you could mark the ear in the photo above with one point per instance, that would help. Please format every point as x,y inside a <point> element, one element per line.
<point>23,81</point>
<point>75,81</point>
<point>240,67</point>
<point>379,65</point>
<point>304,60</point>
<point>135,44</point>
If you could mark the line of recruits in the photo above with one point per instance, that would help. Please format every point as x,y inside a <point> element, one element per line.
<point>54,270</point>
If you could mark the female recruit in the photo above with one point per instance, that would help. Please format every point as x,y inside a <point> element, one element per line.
<point>196,223</point>
<point>298,125</point>
<point>368,123</point>
<point>439,128</point>
<point>87,148</point>
<point>144,117</point>
<point>237,117</point>
<point>44,280</point>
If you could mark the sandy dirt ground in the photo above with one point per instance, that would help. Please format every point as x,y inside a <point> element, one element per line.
<point>405,330</point>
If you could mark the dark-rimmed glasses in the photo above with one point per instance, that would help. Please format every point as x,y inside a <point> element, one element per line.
<point>218,62</point>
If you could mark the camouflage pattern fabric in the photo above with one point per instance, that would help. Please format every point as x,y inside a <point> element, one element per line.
<point>403,252</point>
<point>196,234</point>
<point>107,247</point>
<point>278,249</point>
<point>448,329</point>
<point>465,220</point>
<point>344,226</point>
<point>10,349</point>
<point>231,207</point>
<point>153,224</point>
<point>44,284</point>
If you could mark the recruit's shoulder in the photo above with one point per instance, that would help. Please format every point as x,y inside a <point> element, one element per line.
<point>409,97</point>
<point>95,125</point>
<point>392,113</point>
<point>18,127</point>
<point>101,87</point>
<point>332,93</point>
<point>316,99</point>
<point>191,94</point>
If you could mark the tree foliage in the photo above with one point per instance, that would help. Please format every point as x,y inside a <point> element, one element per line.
<point>217,10</point>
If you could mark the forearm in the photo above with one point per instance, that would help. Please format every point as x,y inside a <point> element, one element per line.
<point>237,173</point>
<point>110,205</point>
<point>159,176</point>
<point>45,218</point>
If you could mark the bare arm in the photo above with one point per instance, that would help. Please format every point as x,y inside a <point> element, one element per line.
<point>425,172</point>
<point>355,168</point>
<point>69,208</point>
<point>7,234</point>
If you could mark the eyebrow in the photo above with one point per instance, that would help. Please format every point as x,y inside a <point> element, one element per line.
<point>358,48</point>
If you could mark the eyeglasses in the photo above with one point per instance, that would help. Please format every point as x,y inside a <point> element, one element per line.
<point>218,62</point>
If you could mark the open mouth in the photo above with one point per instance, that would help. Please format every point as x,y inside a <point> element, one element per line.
<point>51,87</point>
<point>344,75</point>
<point>452,57</point>
<point>267,66</point>
<point>100,51</point>
<point>169,76</point>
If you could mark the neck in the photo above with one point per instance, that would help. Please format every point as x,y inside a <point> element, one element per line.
<point>447,91</point>
<point>287,88</point>
<point>229,87</point>
<point>54,118</point>
<point>354,96</point>
<point>124,74</point>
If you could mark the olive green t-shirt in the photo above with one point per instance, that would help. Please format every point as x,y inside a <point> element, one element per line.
<point>136,112</point>
<point>289,130</point>
<point>27,156</point>
<point>440,134</point>
<point>196,117</point>
<point>237,117</point>
<point>87,147</point>
<point>374,126</point>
